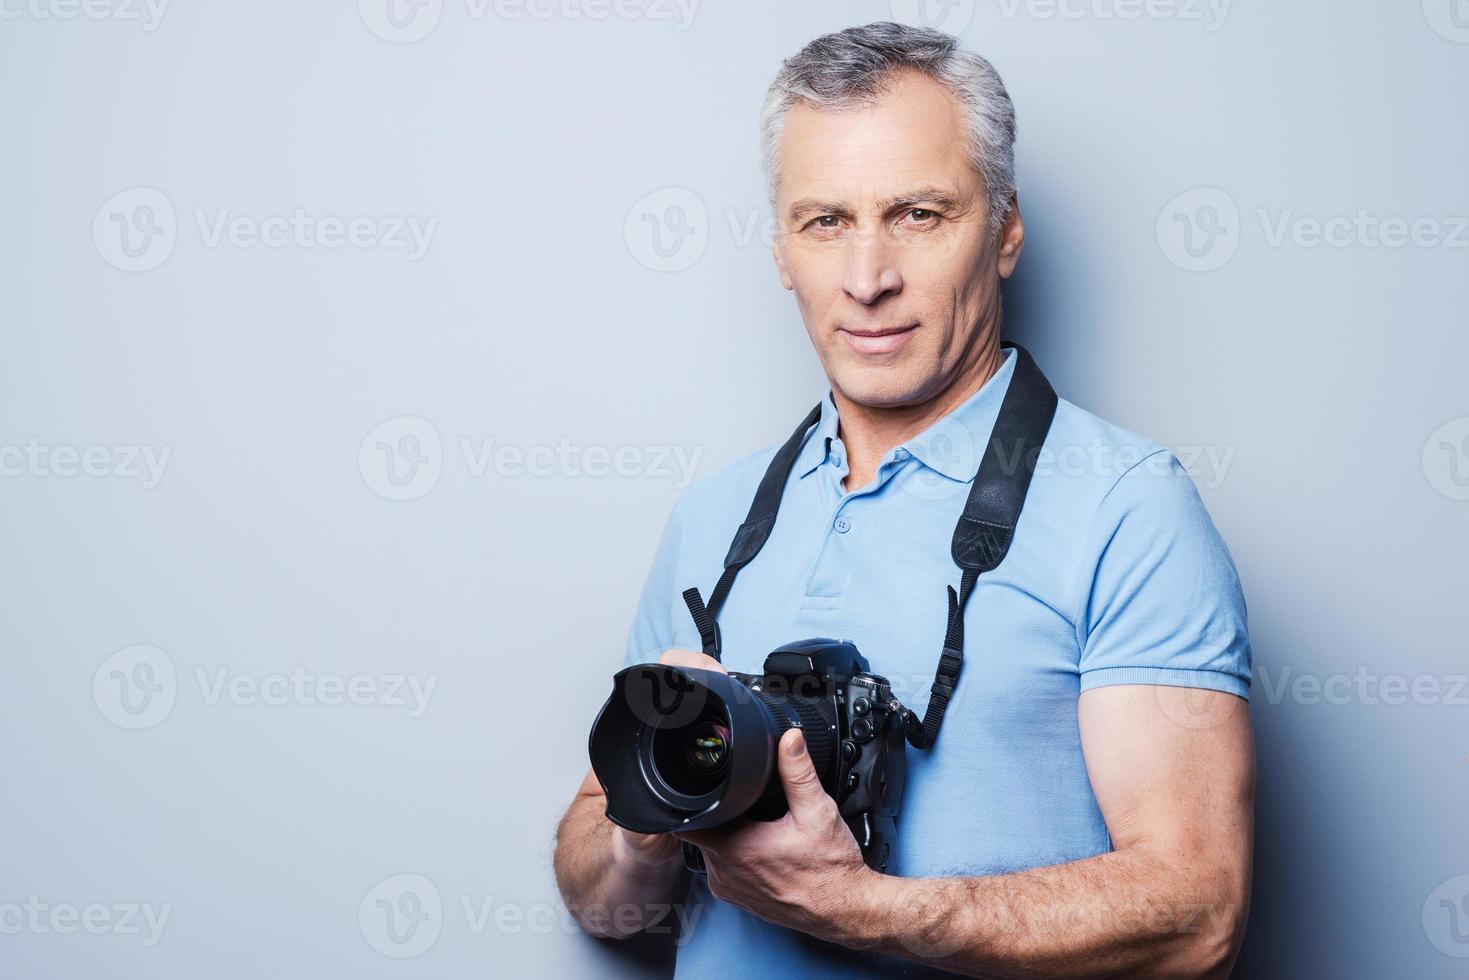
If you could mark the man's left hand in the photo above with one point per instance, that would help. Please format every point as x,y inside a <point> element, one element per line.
<point>800,871</point>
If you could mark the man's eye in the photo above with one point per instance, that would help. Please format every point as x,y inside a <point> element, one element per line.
<point>827,221</point>
<point>922,215</point>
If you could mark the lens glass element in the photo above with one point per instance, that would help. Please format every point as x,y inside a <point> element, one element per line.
<point>693,759</point>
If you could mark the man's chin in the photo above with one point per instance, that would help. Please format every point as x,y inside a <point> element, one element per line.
<point>880,388</point>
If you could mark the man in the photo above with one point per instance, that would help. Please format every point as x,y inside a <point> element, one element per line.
<point>1086,810</point>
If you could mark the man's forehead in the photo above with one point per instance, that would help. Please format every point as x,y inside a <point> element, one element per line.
<point>909,140</point>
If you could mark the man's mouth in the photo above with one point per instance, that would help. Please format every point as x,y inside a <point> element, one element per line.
<point>879,340</point>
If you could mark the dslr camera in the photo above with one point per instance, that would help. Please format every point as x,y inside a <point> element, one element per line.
<point>680,748</point>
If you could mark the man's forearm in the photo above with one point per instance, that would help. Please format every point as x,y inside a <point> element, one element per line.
<point>1124,913</point>
<point>613,886</point>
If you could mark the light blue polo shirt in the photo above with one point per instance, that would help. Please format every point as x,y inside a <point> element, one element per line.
<point>1116,576</point>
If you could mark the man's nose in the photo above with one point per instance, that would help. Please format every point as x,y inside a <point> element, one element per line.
<point>872,267</point>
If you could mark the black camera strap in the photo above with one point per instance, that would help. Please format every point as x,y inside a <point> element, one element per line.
<point>981,538</point>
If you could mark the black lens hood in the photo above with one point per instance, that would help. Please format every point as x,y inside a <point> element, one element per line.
<point>650,696</point>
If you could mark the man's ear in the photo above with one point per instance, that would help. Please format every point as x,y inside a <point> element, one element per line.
<point>1012,239</point>
<point>780,266</point>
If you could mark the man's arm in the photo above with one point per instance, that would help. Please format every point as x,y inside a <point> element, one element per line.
<point>1173,773</point>
<point>615,882</point>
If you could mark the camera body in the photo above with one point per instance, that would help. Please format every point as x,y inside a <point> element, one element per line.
<point>864,771</point>
<point>680,748</point>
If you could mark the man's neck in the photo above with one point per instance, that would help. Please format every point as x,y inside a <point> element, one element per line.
<point>870,433</point>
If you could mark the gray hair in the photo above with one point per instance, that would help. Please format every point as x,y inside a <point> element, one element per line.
<point>849,69</point>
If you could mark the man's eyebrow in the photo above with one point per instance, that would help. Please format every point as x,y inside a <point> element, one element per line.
<point>807,205</point>
<point>923,195</point>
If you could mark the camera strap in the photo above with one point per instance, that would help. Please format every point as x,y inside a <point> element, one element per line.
<point>981,538</point>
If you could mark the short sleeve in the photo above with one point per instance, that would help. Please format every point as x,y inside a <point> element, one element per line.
<point>1161,601</point>
<point>652,626</point>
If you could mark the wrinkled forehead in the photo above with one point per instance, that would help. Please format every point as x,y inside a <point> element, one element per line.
<point>912,136</point>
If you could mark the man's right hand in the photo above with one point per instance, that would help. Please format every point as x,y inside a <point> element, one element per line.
<point>599,864</point>
<point>631,849</point>
<point>679,657</point>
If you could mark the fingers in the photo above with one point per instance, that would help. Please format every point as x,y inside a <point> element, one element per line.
<point>679,657</point>
<point>798,775</point>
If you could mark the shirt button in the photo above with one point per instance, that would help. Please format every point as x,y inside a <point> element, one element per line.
<point>842,525</point>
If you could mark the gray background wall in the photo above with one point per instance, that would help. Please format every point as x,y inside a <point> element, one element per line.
<point>207,705</point>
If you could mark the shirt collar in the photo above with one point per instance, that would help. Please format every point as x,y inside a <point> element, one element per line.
<point>817,448</point>
<point>951,446</point>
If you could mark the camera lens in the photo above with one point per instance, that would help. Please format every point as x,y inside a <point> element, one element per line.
<point>692,759</point>
<point>707,747</point>
<point>679,747</point>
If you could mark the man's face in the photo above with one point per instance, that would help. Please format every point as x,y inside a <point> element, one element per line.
<point>884,226</point>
